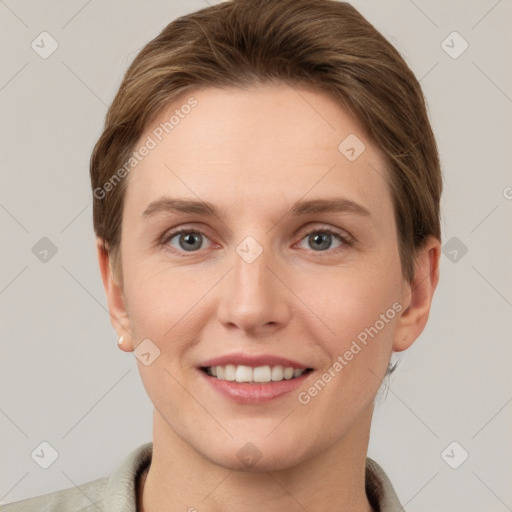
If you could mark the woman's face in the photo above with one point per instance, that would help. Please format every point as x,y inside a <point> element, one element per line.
<point>271,274</point>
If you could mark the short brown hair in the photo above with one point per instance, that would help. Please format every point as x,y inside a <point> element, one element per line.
<point>326,45</point>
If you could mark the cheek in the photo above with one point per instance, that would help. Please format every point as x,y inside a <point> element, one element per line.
<point>358,312</point>
<point>164,303</point>
<point>362,312</point>
<point>164,308</point>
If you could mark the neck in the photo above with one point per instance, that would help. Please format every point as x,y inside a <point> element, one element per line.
<point>179,478</point>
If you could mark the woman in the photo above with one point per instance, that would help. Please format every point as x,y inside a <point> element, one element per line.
<point>266,205</point>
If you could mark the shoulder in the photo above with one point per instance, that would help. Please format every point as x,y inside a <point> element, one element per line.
<point>87,497</point>
<point>379,489</point>
<point>107,494</point>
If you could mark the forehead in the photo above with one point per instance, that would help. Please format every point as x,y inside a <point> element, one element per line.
<point>272,142</point>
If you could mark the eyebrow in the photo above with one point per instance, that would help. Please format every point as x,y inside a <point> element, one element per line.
<point>300,208</point>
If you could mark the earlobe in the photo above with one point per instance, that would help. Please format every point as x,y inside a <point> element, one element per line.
<point>419,294</point>
<point>119,317</point>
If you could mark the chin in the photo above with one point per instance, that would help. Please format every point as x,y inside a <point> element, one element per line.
<point>261,464</point>
<point>258,455</point>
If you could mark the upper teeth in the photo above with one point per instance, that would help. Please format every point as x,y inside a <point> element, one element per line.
<point>243,373</point>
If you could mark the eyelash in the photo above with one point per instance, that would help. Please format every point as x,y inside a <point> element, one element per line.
<point>346,240</point>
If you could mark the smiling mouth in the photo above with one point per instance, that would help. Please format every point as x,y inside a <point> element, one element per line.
<point>254,375</point>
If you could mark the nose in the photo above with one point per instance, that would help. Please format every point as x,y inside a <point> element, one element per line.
<point>253,296</point>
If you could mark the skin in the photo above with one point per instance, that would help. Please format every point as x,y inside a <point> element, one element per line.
<point>253,153</point>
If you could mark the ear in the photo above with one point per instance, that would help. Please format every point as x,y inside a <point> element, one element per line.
<point>418,295</point>
<point>119,317</point>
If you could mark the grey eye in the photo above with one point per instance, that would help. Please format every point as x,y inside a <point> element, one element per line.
<point>187,240</point>
<point>321,240</point>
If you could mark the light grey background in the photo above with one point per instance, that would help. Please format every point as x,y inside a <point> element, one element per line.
<point>63,379</point>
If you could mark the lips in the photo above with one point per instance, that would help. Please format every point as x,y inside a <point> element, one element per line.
<point>254,361</point>
<point>253,379</point>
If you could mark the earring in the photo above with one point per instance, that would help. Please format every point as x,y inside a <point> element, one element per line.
<point>120,340</point>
